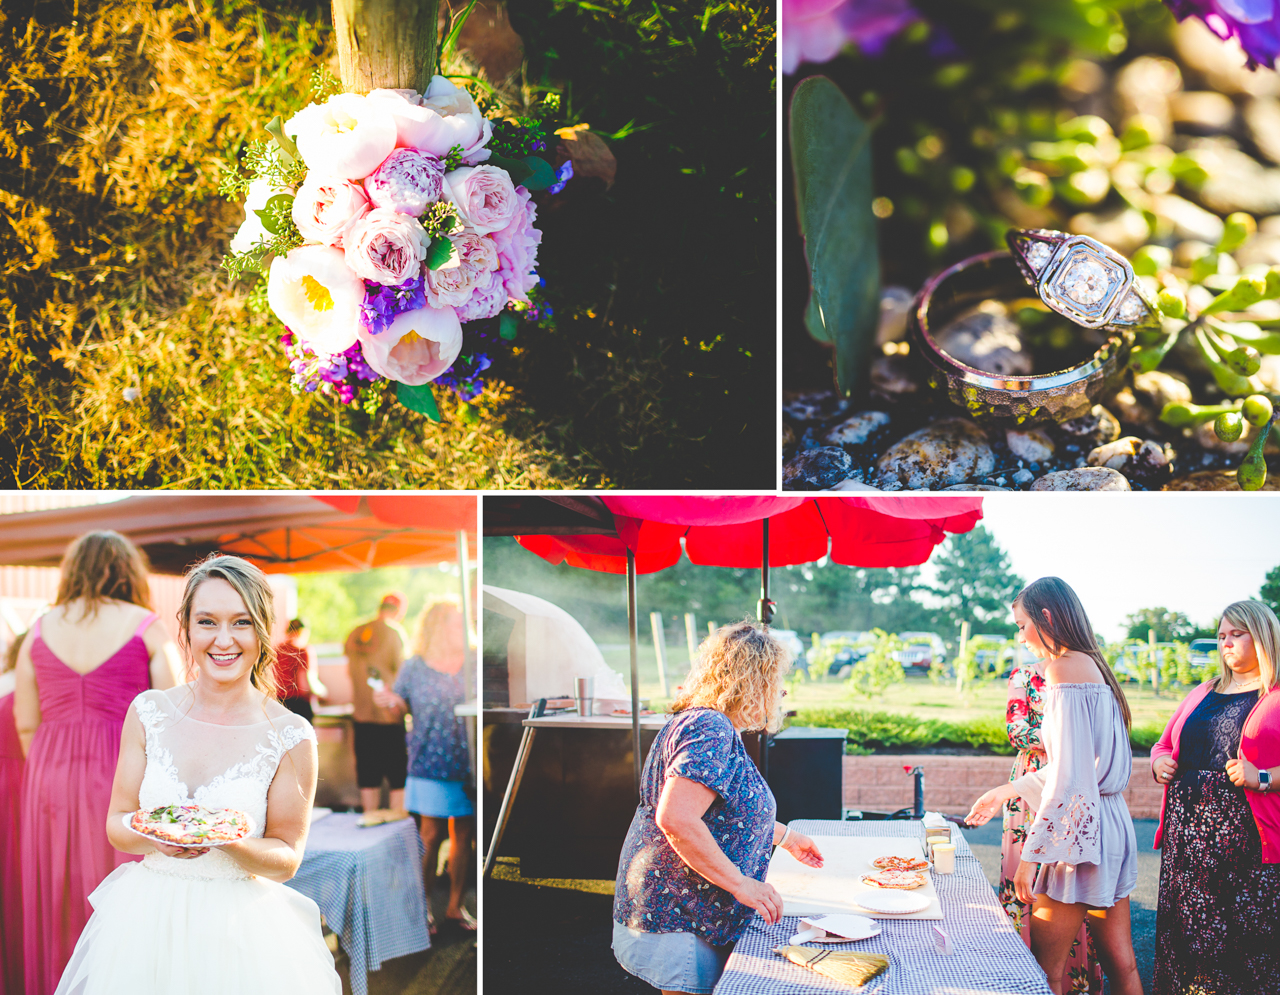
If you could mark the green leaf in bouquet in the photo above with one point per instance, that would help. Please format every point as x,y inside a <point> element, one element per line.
<point>419,399</point>
<point>275,128</point>
<point>439,252</point>
<point>508,325</point>
<point>518,169</point>
<point>275,214</point>
<point>831,160</point>
<point>541,175</point>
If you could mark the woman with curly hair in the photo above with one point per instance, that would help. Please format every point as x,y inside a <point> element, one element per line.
<point>693,864</point>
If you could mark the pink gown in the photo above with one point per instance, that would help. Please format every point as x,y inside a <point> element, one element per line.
<point>66,794</point>
<point>10,869</point>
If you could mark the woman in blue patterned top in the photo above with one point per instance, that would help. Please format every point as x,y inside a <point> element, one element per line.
<point>428,687</point>
<point>693,864</point>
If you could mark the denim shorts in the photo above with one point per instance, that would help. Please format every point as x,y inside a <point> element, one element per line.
<point>676,962</point>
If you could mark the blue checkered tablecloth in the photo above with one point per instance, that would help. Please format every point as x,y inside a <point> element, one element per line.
<point>988,956</point>
<point>368,884</point>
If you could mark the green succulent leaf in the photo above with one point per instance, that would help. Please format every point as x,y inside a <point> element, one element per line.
<point>419,399</point>
<point>831,160</point>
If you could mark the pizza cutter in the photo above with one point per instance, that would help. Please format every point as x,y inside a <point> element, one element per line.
<point>836,929</point>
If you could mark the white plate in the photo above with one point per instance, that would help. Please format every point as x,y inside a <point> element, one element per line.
<point>128,816</point>
<point>892,902</point>
<point>845,927</point>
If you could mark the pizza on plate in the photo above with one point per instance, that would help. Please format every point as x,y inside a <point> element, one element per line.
<point>191,825</point>
<point>900,864</point>
<point>900,880</point>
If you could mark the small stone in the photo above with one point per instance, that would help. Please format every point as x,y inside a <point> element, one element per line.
<point>988,339</point>
<point>894,376</point>
<point>1023,477</point>
<point>788,436</point>
<point>1203,112</point>
<point>1099,478</point>
<point>1147,462</point>
<point>895,308</point>
<point>857,430</point>
<point>814,405</point>
<point>816,469</point>
<point>1030,444</point>
<point>1262,119</point>
<point>1132,309</point>
<point>852,485</point>
<point>1207,438</point>
<point>1097,427</point>
<point>1142,403</point>
<point>950,451</point>
<point>974,487</point>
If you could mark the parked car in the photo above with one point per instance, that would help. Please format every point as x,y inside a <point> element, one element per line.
<point>1203,652</point>
<point>847,656</point>
<point>922,649</point>
<point>792,641</point>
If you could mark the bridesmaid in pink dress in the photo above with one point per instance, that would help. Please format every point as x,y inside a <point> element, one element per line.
<point>70,703</point>
<point>11,764</point>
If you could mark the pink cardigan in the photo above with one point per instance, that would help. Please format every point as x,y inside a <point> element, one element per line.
<point>1260,744</point>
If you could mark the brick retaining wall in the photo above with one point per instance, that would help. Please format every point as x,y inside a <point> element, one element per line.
<point>878,784</point>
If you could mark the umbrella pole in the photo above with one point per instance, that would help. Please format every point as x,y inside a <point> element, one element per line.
<point>764,610</point>
<point>635,667</point>
<point>468,666</point>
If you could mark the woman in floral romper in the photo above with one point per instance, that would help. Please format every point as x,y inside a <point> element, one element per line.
<point>1022,717</point>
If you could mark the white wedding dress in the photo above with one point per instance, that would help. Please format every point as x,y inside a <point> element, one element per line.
<point>200,925</point>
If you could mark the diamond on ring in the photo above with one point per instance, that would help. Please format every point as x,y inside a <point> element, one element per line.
<point>1082,279</point>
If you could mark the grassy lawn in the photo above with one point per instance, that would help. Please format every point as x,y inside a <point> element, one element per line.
<point>131,361</point>
<point>916,696</point>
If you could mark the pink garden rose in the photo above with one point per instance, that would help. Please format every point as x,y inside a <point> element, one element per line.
<point>474,264</point>
<point>408,181</point>
<point>326,207</point>
<point>416,347</point>
<point>517,246</point>
<point>386,246</point>
<point>438,120</point>
<point>347,136</point>
<point>485,300</point>
<point>484,196</point>
<point>317,296</point>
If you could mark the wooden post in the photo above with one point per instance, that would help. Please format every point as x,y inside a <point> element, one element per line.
<point>387,44</point>
<point>964,645</point>
<point>711,628</point>
<point>1155,667</point>
<point>691,636</point>
<point>659,649</point>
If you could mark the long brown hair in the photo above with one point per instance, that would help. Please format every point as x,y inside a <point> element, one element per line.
<point>738,671</point>
<point>104,566</point>
<point>1067,628</point>
<point>259,601</point>
<point>1264,628</point>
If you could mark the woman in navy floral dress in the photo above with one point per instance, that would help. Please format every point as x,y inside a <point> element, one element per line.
<point>428,687</point>
<point>694,860</point>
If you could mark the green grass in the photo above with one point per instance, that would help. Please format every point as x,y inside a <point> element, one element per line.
<point>117,121</point>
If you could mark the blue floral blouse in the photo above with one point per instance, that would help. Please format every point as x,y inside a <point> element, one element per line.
<point>656,891</point>
<point>437,742</point>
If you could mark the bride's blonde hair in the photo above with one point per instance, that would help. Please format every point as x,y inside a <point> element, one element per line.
<point>259,601</point>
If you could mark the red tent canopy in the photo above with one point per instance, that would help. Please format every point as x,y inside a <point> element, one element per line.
<point>871,531</point>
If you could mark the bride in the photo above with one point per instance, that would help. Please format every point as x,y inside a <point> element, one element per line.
<point>208,920</point>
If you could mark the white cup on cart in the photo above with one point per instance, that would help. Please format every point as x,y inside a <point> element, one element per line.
<point>582,693</point>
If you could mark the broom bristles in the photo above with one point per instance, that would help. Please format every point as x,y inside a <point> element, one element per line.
<point>845,966</point>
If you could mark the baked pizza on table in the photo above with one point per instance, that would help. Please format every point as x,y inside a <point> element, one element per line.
<point>900,880</point>
<point>900,864</point>
<point>191,825</point>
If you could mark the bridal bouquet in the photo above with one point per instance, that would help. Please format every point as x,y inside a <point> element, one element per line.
<point>391,219</point>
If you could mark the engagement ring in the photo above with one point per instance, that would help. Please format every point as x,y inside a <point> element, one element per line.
<point>1083,280</point>
<point>1053,392</point>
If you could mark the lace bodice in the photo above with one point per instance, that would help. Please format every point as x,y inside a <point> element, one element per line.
<point>229,766</point>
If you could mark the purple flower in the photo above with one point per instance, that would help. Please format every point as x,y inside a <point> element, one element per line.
<point>563,175</point>
<point>816,30</point>
<point>1252,22</point>
<point>341,374</point>
<point>382,303</point>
